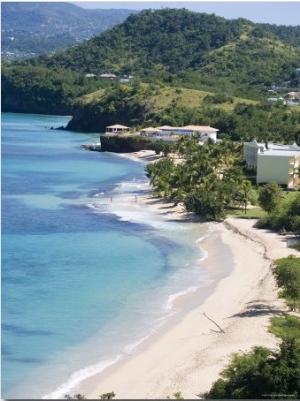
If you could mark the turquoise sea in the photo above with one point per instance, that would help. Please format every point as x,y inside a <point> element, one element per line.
<point>84,278</point>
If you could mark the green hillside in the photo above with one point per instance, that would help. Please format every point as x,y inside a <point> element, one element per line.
<point>185,66</point>
<point>140,105</point>
<point>167,42</point>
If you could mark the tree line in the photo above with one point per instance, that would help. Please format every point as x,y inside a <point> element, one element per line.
<point>212,179</point>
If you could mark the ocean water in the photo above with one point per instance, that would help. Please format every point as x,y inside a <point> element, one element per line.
<point>88,272</point>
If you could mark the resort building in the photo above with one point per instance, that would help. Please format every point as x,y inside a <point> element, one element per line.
<point>150,131</point>
<point>273,162</point>
<point>205,132</point>
<point>117,129</point>
<point>250,152</point>
<point>276,99</point>
<point>292,96</point>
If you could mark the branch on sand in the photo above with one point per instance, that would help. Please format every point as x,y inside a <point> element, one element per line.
<point>214,322</point>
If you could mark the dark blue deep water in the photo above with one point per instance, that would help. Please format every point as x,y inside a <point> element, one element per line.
<point>84,278</point>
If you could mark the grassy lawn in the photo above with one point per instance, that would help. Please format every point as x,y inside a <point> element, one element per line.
<point>191,98</point>
<point>252,213</point>
<point>94,96</point>
<point>184,97</point>
<point>288,195</point>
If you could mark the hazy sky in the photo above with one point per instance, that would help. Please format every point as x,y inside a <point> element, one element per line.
<point>272,12</point>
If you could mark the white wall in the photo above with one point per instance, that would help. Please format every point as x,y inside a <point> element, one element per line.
<point>274,168</point>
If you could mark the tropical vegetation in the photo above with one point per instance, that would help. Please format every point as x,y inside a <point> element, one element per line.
<point>287,275</point>
<point>174,56</point>
<point>169,43</point>
<point>265,373</point>
<point>270,196</point>
<point>285,215</point>
<point>190,68</point>
<point>208,181</point>
<point>261,374</point>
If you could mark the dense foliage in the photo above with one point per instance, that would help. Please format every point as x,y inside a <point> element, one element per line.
<point>262,373</point>
<point>135,106</point>
<point>208,182</point>
<point>38,90</point>
<point>126,105</point>
<point>169,47</point>
<point>165,39</point>
<point>287,275</point>
<point>290,34</point>
<point>211,179</point>
<point>270,196</point>
<point>286,328</point>
<point>177,45</point>
<point>244,122</point>
<point>285,217</point>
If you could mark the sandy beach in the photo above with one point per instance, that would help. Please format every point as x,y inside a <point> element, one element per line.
<point>188,355</point>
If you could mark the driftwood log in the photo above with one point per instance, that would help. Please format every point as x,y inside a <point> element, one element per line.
<point>220,328</point>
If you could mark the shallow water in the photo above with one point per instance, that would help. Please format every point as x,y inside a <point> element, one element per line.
<point>84,279</point>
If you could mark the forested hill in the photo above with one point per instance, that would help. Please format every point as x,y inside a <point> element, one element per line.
<point>173,47</point>
<point>167,39</point>
<point>171,41</point>
<point>34,28</point>
<point>290,34</point>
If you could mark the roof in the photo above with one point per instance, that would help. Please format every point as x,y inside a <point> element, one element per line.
<point>190,128</point>
<point>200,128</point>
<point>108,76</point>
<point>117,126</point>
<point>276,152</point>
<point>275,99</point>
<point>277,149</point>
<point>151,129</point>
<point>166,127</point>
<point>274,146</point>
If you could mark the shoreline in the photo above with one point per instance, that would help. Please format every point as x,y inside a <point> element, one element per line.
<point>187,354</point>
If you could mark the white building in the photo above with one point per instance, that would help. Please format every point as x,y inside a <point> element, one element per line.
<point>204,131</point>
<point>108,75</point>
<point>117,129</point>
<point>273,162</point>
<point>150,131</point>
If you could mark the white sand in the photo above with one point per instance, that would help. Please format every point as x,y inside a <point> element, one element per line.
<point>188,356</point>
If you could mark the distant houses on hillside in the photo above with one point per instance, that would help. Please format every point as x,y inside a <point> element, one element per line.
<point>123,79</point>
<point>290,99</point>
<point>273,162</point>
